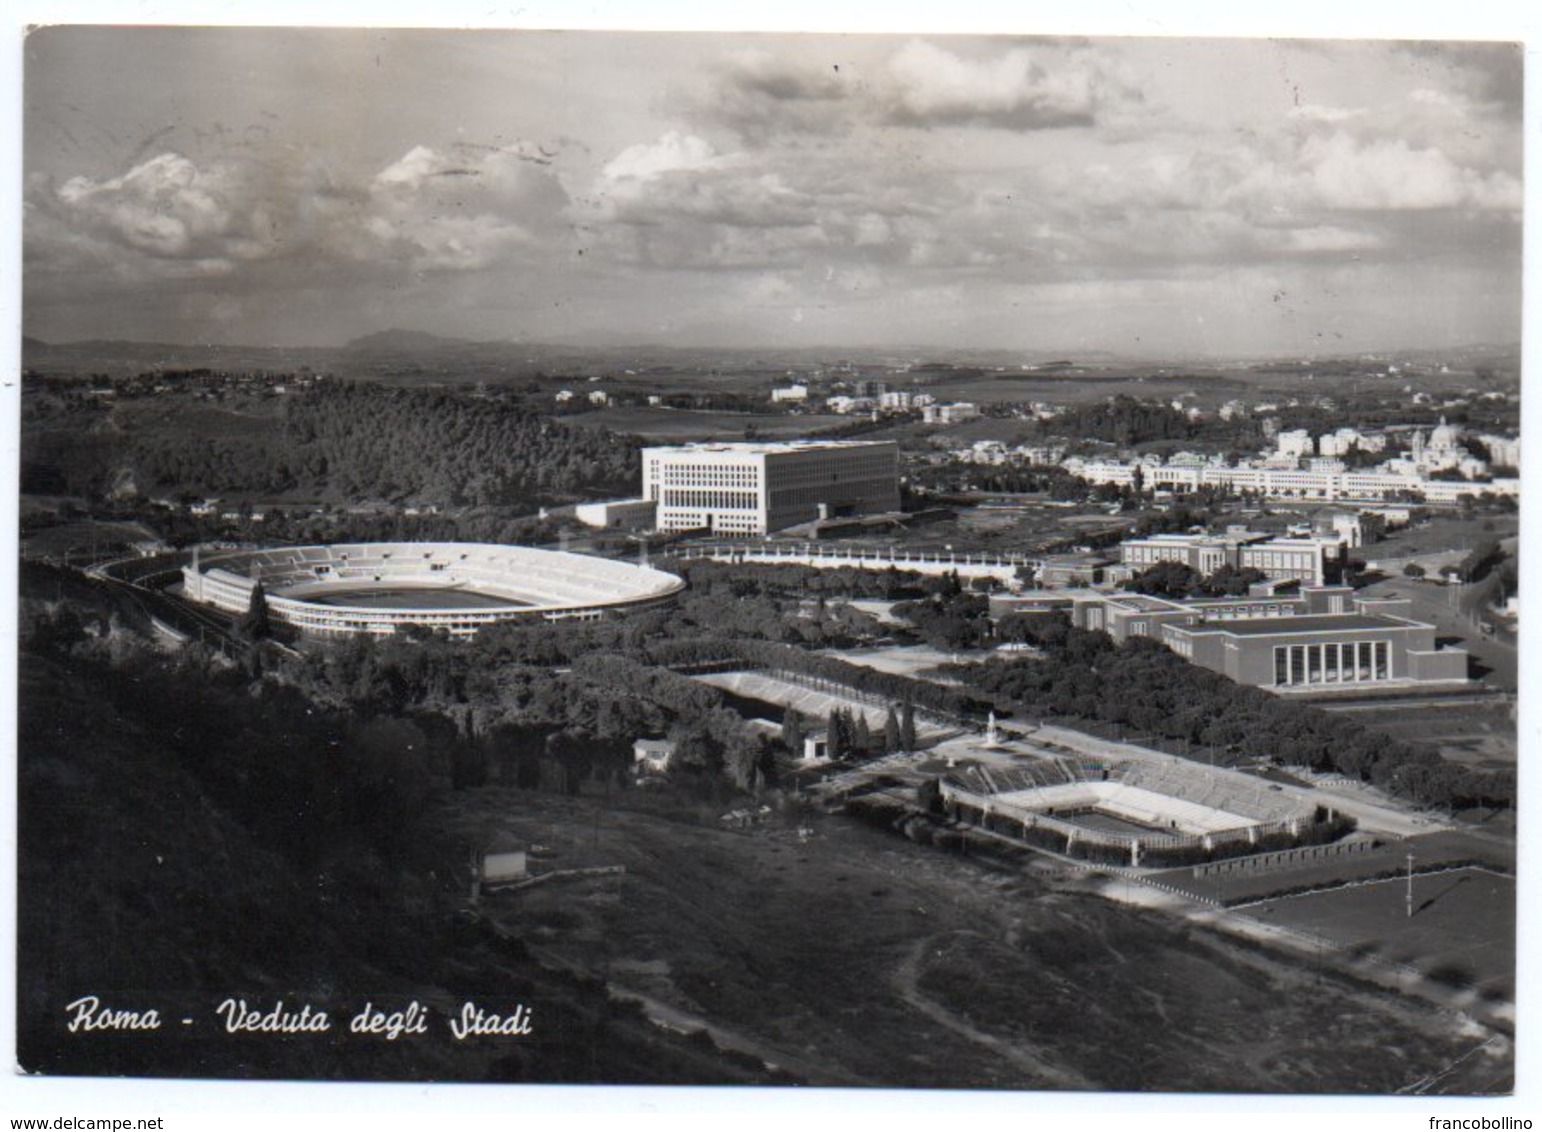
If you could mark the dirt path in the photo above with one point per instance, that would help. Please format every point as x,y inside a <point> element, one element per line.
<point>907,982</point>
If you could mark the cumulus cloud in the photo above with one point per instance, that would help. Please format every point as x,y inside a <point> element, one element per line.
<point>169,218</point>
<point>1020,89</point>
<point>165,211</point>
<point>761,96</point>
<point>674,152</point>
<point>1340,172</point>
<point>465,209</point>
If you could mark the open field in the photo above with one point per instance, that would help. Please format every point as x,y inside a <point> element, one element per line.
<point>1443,532</point>
<point>672,425</point>
<point>1481,735</point>
<point>1462,932</point>
<point>850,956</point>
<point>1081,387</point>
<point>84,537</point>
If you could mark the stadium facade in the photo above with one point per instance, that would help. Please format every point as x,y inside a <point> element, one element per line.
<point>745,489</point>
<point>340,590</point>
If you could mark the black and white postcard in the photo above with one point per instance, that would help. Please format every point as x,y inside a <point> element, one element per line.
<point>880,560</point>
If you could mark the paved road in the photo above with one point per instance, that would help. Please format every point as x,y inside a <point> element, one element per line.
<point>1448,608</point>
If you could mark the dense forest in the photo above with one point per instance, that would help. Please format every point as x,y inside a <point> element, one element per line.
<point>337,440</point>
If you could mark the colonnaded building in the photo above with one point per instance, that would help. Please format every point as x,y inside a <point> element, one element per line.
<point>754,489</point>
<point>1322,640</point>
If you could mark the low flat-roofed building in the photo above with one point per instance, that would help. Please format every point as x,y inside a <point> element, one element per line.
<point>1319,652</point>
<point>1060,570</point>
<point>611,514</point>
<point>1318,640</point>
<point>652,756</point>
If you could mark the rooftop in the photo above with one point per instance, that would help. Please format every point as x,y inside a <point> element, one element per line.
<point>1309,623</point>
<point>770,447</point>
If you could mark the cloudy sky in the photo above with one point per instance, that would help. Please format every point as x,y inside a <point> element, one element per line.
<point>1140,196</point>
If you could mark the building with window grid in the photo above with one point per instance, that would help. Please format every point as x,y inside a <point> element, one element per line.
<point>1308,560</point>
<point>749,489</point>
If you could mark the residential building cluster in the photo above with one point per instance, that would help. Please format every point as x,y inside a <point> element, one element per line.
<point>1437,468</point>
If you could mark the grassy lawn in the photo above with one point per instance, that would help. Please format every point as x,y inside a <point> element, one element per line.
<point>1462,930</point>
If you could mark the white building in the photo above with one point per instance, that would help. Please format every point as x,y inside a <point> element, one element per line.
<point>794,393</point>
<point>1396,479</point>
<point>950,414</point>
<point>754,489</point>
<point>1502,450</point>
<point>904,400</point>
<point>843,404</point>
<point>1297,442</point>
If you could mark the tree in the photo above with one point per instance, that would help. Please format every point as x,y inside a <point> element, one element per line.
<point>838,740</point>
<point>1229,581</point>
<point>891,731</point>
<point>1414,570</point>
<point>1166,579</point>
<point>908,726</point>
<point>861,734</point>
<point>256,625</point>
<point>792,730</point>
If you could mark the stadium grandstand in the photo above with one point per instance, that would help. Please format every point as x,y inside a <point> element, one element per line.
<point>376,588</point>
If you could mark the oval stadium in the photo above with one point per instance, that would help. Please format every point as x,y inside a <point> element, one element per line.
<point>339,590</point>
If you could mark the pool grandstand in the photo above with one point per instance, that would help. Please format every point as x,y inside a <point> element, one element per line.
<point>377,588</point>
<point>1133,811</point>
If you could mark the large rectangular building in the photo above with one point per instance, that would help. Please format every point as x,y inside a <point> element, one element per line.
<point>1321,652</point>
<point>748,489</point>
<point>1321,640</point>
<point>1307,560</point>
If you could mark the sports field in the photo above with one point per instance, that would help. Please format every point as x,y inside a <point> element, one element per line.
<point>1462,931</point>
<point>411,597</point>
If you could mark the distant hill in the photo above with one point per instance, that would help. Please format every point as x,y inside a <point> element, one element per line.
<point>405,341</point>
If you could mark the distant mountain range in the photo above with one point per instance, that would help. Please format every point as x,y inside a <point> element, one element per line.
<point>414,351</point>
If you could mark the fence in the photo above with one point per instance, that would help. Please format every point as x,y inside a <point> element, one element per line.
<point>1284,859</point>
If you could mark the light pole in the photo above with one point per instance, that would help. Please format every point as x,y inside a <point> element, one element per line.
<point>1409,899</point>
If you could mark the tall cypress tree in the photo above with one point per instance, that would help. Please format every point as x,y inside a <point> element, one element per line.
<point>908,726</point>
<point>256,624</point>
